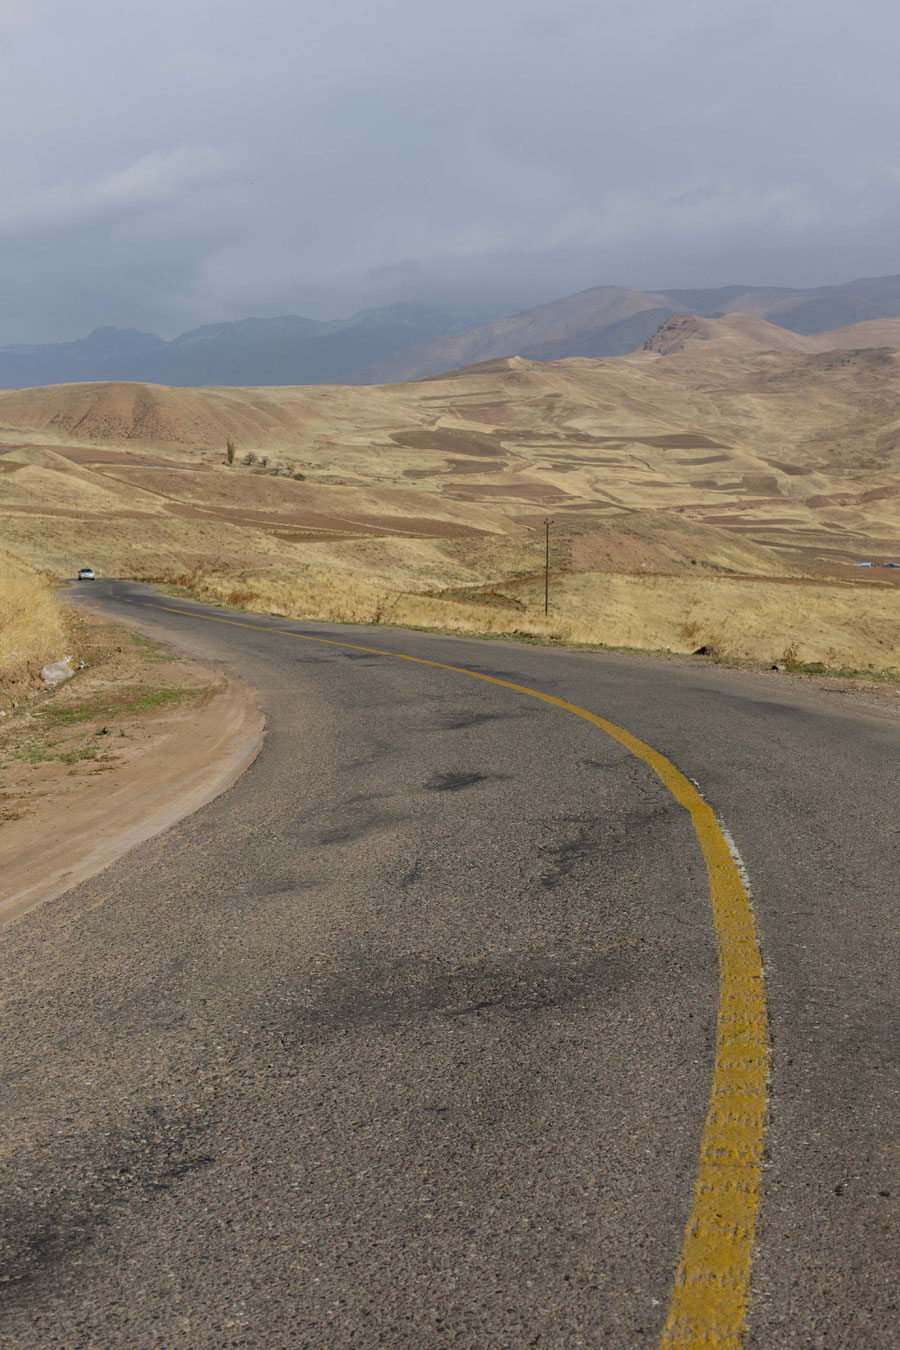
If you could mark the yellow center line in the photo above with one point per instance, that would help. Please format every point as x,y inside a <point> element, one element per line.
<point>709,1294</point>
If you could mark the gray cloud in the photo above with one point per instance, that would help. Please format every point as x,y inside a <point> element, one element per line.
<point>172,162</point>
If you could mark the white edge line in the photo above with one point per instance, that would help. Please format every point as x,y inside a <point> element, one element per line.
<point>736,855</point>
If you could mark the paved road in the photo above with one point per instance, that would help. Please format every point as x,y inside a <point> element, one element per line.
<point>407,1039</point>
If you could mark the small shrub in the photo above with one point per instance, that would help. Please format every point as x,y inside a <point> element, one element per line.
<point>249,458</point>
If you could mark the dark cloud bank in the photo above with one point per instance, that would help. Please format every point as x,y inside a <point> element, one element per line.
<point>174,163</point>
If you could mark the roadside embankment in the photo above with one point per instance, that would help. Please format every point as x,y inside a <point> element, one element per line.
<point>34,628</point>
<point>836,624</point>
<point>137,738</point>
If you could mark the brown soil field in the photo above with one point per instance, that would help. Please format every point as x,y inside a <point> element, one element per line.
<point>712,461</point>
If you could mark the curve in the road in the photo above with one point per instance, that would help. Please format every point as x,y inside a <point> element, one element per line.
<point>709,1296</point>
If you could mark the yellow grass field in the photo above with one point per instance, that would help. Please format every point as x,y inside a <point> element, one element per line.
<point>715,495</point>
<point>836,624</point>
<point>32,625</point>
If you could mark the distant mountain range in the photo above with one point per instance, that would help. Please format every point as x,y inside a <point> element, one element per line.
<point>610,321</point>
<point>405,342</point>
<point>286,350</point>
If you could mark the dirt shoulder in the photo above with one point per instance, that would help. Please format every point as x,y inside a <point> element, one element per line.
<point>136,739</point>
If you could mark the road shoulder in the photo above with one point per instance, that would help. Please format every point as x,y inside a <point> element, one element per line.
<point>137,739</point>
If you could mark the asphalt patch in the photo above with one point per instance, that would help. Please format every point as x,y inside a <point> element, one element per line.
<point>66,1197</point>
<point>376,990</point>
<point>462,721</point>
<point>455,780</point>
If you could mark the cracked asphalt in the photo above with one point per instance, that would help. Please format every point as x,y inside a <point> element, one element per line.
<point>406,1039</point>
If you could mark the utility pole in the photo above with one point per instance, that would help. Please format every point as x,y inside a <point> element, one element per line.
<point>547,523</point>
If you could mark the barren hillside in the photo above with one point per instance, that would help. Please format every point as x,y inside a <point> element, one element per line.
<point>605,320</point>
<point>749,332</point>
<point>713,458</point>
<point>610,321</point>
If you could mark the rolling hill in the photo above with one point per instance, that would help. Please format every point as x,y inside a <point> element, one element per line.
<point>716,492</point>
<point>747,333</point>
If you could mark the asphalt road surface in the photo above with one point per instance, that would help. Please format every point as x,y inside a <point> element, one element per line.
<point>407,1039</point>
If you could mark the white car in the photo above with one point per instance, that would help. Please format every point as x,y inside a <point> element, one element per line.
<point>86,574</point>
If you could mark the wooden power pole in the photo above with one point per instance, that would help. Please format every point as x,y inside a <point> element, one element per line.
<point>547,523</point>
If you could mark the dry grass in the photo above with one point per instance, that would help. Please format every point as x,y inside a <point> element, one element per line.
<point>334,597</point>
<point>33,627</point>
<point>32,624</point>
<point>837,624</point>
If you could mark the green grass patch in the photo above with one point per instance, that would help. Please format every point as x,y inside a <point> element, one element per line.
<point>46,752</point>
<point>174,589</point>
<point>816,668</point>
<point>159,698</point>
<point>34,753</point>
<point>839,672</point>
<point>77,755</point>
<point>149,650</point>
<point>54,735</point>
<point>132,700</point>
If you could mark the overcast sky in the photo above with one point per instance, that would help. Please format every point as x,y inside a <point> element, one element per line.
<point>167,163</point>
